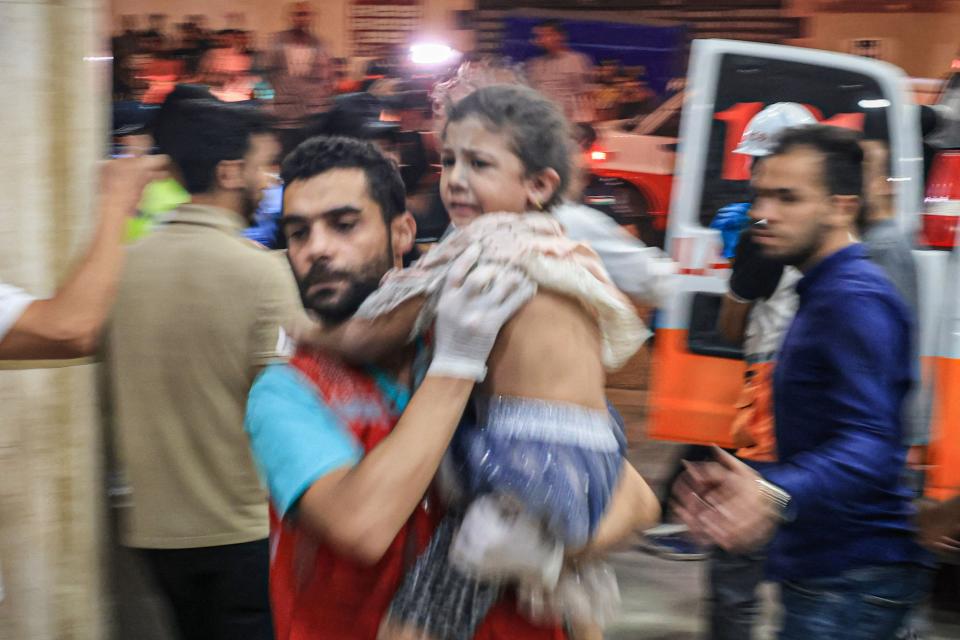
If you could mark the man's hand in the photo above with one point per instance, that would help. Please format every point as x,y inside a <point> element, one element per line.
<point>475,303</point>
<point>123,180</point>
<point>939,526</point>
<point>754,276</point>
<point>722,503</point>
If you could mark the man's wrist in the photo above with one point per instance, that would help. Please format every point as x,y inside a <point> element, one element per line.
<point>455,368</point>
<point>778,499</point>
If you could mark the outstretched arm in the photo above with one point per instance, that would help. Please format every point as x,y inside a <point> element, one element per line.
<point>68,324</point>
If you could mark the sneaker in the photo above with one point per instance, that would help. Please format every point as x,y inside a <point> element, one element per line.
<point>671,542</point>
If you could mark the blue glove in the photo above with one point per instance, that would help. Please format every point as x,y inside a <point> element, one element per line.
<point>730,221</point>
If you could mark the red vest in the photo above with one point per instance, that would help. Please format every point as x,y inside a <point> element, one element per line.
<point>317,594</point>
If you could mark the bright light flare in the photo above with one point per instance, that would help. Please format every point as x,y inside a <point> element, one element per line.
<point>598,155</point>
<point>432,53</point>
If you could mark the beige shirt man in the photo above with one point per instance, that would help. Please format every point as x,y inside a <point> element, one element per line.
<point>198,313</point>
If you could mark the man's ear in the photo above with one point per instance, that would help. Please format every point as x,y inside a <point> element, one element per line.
<point>541,187</point>
<point>229,175</point>
<point>846,211</point>
<point>403,234</point>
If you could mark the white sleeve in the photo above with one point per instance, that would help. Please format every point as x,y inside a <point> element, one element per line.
<point>13,302</point>
<point>639,271</point>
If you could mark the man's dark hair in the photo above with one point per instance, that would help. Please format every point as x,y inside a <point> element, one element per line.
<point>321,154</point>
<point>205,133</point>
<point>168,117</point>
<point>841,151</point>
<point>555,25</point>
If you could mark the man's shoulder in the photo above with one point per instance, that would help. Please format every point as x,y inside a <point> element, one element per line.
<point>865,300</point>
<point>281,384</point>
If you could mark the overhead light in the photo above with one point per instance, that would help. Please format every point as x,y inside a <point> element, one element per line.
<point>432,53</point>
<point>879,103</point>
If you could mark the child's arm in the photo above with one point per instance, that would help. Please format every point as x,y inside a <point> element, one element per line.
<point>363,340</point>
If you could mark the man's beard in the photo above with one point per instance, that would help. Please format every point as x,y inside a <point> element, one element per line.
<point>801,255</point>
<point>359,285</point>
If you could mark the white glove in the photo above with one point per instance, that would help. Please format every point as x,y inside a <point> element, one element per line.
<point>475,303</point>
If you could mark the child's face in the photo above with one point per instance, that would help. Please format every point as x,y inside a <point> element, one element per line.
<point>481,173</point>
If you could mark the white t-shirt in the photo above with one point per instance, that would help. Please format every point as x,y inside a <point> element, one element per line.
<point>13,302</point>
<point>769,319</point>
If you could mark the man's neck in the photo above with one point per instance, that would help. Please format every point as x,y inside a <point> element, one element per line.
<point>834,242</point>
<point>220,199</point>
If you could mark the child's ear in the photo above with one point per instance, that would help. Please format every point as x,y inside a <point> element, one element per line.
<point>403,234</point>
<point>541,187</point>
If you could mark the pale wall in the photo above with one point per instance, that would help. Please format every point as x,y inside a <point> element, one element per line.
<point>50,493</point>
<point>269,17</point>
<point>923,44</point>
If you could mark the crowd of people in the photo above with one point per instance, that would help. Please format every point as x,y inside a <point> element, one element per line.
<point>344,440</point>
<point>295,71</point>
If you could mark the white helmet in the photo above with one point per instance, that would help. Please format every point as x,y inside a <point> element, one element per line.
<point>763,128</point>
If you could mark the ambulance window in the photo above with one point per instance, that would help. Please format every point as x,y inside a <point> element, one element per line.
<point>747,84</point>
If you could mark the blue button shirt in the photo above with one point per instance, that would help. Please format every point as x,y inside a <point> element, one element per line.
<point>841,377</point>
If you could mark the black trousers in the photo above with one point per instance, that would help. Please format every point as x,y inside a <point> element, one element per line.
<point>217,593</point>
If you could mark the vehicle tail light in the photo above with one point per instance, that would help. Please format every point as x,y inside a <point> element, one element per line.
<point>598,155</point>
<point>942,204</point>
<point>939,229</point>
<point>944,180</point>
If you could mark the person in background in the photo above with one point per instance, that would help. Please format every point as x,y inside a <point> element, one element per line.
<point>125,43</point>
<point>636,96</point>
<point>834,505</point>
<point>607,95</point>
<point>198,314</point>
<point>227,68</point>
<point>299,69</point>
<point>165,195</point>
<point>563,75</point>
<point>157,23</point>
<point>69,323</point>
<point>890,248</point>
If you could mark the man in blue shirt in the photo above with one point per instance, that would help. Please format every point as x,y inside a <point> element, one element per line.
<point>834,505</point>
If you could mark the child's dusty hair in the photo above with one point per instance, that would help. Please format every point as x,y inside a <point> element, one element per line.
<point>473,74</point>
<point>539,132</point>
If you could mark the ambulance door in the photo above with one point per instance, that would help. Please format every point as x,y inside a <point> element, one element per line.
<point>939,275</point>
<point>696,376</point>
